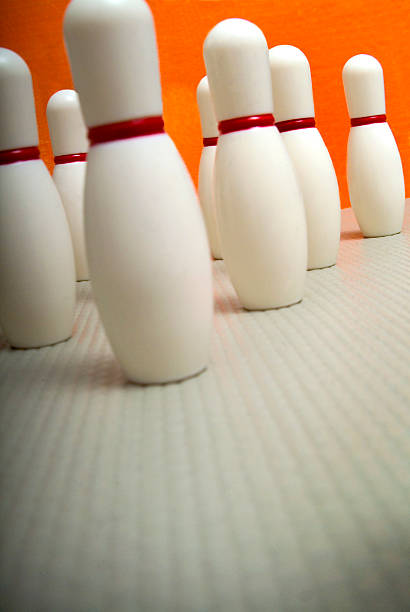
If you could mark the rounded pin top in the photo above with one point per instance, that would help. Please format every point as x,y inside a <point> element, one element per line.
<point>65,122</point>
<point>18,124</point>
<point>364,86</point>
<point>113,54</point>
<point>206,109</point>
<point>237,64</point>
<point>291,83</point>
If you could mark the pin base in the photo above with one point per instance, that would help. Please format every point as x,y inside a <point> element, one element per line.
<point>38,346</point>
<point>165,382</point>
<point>381,235</point>
<point>321,267</point>
<point>252,308</point>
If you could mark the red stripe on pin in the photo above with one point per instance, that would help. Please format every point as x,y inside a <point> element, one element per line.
<point>10,156</point>
<point>355,121</point>
<point>212,141</point>
<point>144,126</point>
<point>69,159</point>
<point>295,124</point>
<point>237,124</point>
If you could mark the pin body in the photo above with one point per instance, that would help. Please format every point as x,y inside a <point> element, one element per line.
<point>375,179</point>
<point>146,241</point>
<point>374,168</point>
<point>207,198</point>
<point>37,276</point>
<point>37,272</point>
<point>69,138</point>
<point>151,276</point>
<point>293,97</point>
<point>206,167</point>
<point>318,183</point>
<point>261,218</point>
<point>70,182</point>
<point>258,201</point>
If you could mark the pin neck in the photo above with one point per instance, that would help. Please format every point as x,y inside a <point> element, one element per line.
<point>295,124</point>
<point>237,124</point>
<point>143,126</point>
<point>10,156</point>
<point>212,141</point>
<point>69,159</point>
<point>356,121</point>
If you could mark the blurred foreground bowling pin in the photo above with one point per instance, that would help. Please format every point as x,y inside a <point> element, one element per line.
<point>146,241</point>
<point>37,275</point>
<point>206,165</point>
<point>258,201</point>
<point>295,120</point>
<point>374,169</point>
<point>69,140</point>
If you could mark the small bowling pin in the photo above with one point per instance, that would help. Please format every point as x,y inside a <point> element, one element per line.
<point>295,120</point>
<point>374,169</point>
<point>147,248</point>
<point>258,201</point>
<point>69,141</point>
<point>206,165</point>
<point>37,274</point>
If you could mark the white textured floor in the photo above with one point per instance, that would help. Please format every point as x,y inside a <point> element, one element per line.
<point>276,480</point>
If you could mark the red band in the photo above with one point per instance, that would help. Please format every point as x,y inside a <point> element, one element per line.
<point>9,156</point>
<point>69,159</point>
<point>126,129</point>
<point>237,124</point>
<point>367,120</point>
<point>296,124</point>
<point>212,141</point>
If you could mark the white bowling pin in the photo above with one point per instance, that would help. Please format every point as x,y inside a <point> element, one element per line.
<point>146,241</point>
<point>259,204</point>
<point>206,165</point>
<point>37,275</point>
<point>374,169</point>
<point>69,141</point>
<point>295,120</point>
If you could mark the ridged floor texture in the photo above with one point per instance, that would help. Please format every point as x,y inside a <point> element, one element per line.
<point>277,480</point>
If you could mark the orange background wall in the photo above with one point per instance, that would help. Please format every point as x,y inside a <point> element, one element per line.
<point>329,32</point>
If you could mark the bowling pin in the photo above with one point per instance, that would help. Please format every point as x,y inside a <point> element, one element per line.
<point>258,201</point>
<point>37,274</point>
<point>69,141</point>
<point>147,248</point>
<point>206,165</point>
<point>374,169</point>
<point>295,120</point>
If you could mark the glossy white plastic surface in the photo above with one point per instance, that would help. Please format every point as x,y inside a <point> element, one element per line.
<point>206,109</point>
<point>258,201</point>
<point>146,241</point>
<point>70,182</point>
<point>206,190</point>
<point>206,167</point>
<point>261,218</point>
<point>375,179</point>
<point>65,123</point>
<point>18,125</point>
<point>374,169</point>
<point>149,258</point>
<point>364,86</point>
<point>114,61</point>
<point>318,183</point>
<point>69,135</point>
<point>291,83</point>
<point>37,276</point>
<point>238,82</point>
<point>293,97</point>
